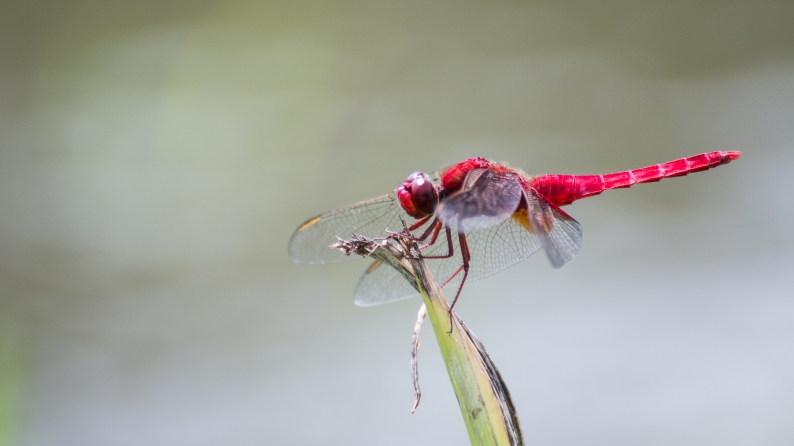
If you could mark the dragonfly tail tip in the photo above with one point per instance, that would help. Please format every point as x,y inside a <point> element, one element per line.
<point>732,155</point>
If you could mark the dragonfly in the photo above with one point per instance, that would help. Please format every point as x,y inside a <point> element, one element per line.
<point>492,216</point>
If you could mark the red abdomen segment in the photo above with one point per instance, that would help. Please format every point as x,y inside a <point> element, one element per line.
<point>565,189</point>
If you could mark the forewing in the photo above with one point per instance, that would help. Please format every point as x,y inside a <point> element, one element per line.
<point>486,199</point>
<point>560,234</point>
<point>493,250</point>
<point>370,218</point>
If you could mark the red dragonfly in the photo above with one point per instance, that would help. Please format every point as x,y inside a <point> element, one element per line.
<point>493,215</point>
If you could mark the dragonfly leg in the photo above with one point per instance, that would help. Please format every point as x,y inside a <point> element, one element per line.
<point>466,255</point>
<point>407,230</point>
<point>419,224</point>
<point>460,268</point>
<point>432,229</point>
<point>450,250</point>
<point>436,230</point>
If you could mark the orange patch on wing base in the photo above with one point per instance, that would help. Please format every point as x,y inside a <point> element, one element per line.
<point>521,216</point>
<point>372,267</point>
<point>309,223</point>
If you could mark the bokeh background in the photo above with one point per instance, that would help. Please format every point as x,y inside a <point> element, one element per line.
<point>156,156</point>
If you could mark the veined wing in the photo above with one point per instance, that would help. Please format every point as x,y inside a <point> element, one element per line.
<point>370,218</point>
<point>560,233</point>
<point>382,284</point>
<point>494,249</point>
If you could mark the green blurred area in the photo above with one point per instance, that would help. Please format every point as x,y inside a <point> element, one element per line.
<point>156,156</point>
<point>11,373</point>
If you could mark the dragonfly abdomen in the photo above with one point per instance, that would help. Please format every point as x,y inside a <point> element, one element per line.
<point>565,189</point>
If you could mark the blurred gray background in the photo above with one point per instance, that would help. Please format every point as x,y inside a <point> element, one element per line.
<point>155,158</point>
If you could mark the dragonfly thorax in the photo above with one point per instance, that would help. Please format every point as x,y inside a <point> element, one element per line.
<point>418,196</point>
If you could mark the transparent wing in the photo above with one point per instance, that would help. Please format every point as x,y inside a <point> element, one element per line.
<point>381,284</point>
<point>560,233</point>
<point>494,249</point>
<point>486,199</point>
<point>370,218</point>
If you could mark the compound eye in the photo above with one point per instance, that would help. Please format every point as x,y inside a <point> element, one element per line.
<point>423,194</point>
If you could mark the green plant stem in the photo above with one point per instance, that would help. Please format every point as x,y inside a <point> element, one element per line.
<point>485,403</point>
<point>483,398</point>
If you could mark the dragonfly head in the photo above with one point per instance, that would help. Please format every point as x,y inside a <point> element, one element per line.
<point>418,196</point>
